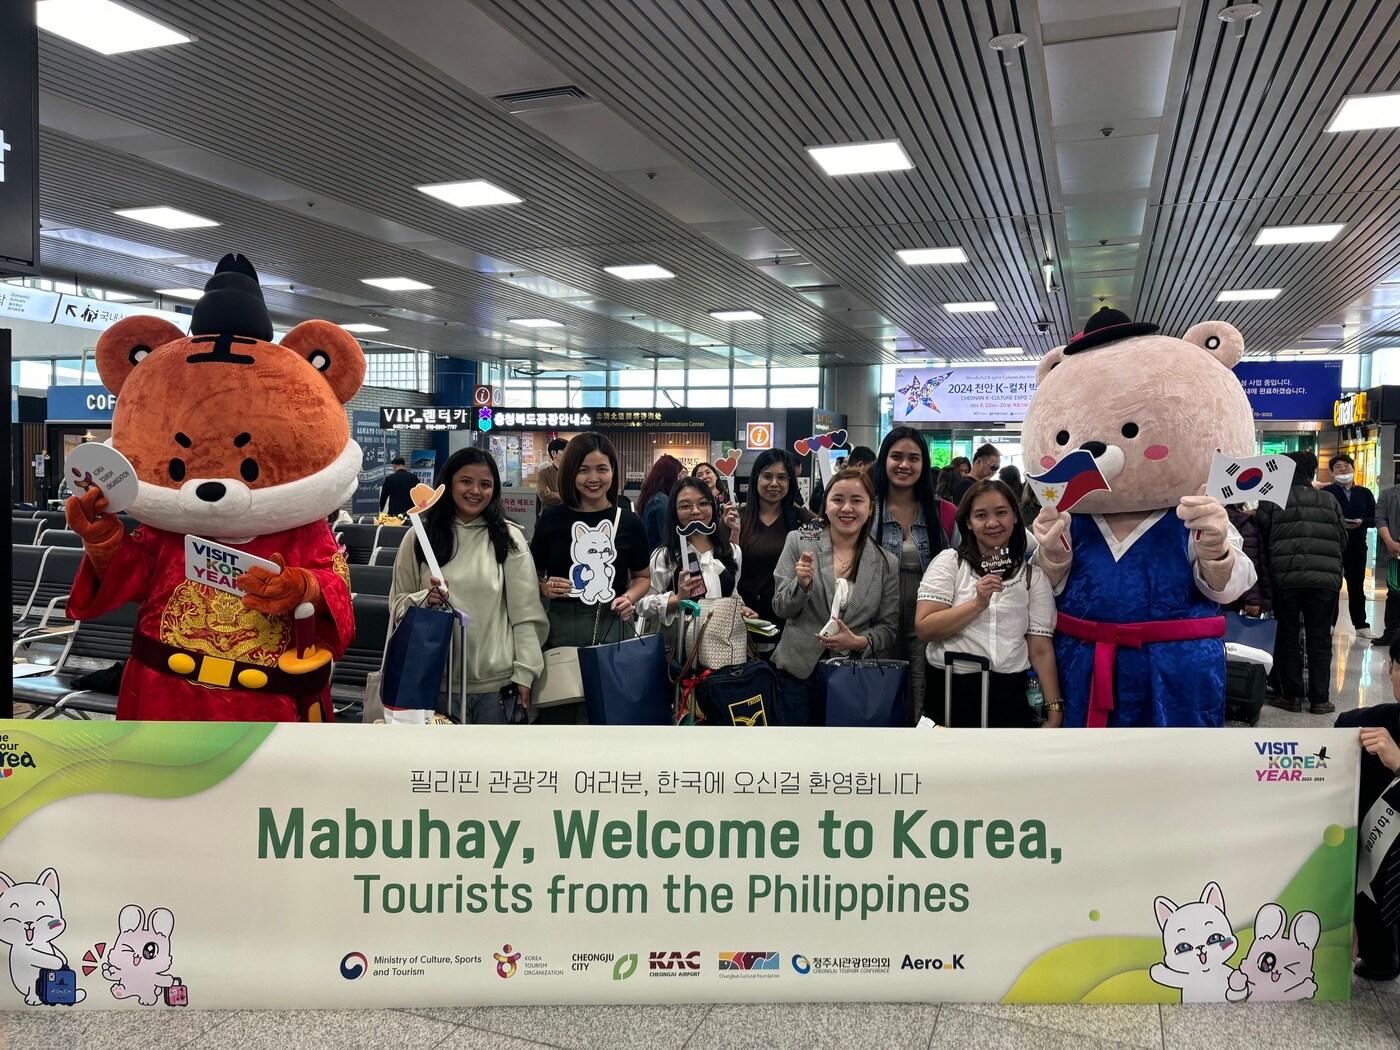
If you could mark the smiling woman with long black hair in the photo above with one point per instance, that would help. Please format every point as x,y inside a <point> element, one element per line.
<point>487,572</point>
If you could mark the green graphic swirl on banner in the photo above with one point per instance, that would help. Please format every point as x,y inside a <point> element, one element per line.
<point>120,758</point>
<point>1115,969</point>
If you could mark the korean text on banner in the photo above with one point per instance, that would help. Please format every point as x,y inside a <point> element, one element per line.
<point>431,866</point>
<point>963,394</point>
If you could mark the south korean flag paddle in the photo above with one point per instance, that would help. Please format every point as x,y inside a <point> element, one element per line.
<point>1257,479</point>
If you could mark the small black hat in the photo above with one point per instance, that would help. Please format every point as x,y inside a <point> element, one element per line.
<point>1107,326</point>
<point>232,303</point>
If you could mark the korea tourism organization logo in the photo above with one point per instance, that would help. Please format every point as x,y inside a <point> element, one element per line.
<point>1287,761</point>
<point>750,964</point>
<point>510,961</point>
<point>353,966</point>
<point>673,963</point>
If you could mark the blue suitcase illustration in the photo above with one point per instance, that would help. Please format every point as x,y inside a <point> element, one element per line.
<point>57,987</point>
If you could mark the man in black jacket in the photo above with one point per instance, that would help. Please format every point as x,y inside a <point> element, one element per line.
<point>394,495</point>
<point>1358,515</point>
<point>1304,541</point>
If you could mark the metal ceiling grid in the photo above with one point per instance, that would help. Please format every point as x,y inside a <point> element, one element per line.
<point>407,126</point>
<point>739,89</point>
<point>1248,149</point>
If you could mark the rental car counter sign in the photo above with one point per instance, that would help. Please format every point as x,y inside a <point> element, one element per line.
<point>439,866</point>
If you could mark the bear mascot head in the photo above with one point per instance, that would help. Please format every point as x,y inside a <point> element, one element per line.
<point>1144,564</point>
<point>242,448</point>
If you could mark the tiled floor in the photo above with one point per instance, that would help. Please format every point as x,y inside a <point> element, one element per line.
<point>1371,1019</point>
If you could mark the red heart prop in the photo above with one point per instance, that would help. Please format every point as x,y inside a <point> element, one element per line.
<point>727,466</point>
<point>824,441</point>
<point>801,446</point>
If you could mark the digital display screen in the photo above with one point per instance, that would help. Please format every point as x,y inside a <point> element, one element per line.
<point>19,138</point>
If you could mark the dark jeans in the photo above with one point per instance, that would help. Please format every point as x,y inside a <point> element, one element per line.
<point>801,701</point>
<point>1354,572</point>
<point>1311,609</point>
<point>1392,613</point>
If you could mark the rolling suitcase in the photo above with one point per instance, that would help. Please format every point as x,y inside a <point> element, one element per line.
<point>950,662</point>
<point>1244,691</point>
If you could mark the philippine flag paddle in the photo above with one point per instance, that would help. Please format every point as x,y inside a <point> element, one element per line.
<point>1069,480</point>
<point>1260,478</point>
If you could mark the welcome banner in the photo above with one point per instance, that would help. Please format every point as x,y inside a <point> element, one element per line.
<point>159,865</point>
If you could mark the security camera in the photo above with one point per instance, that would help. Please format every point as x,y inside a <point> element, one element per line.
<point>1042,326</point>
<point>1105,132</point>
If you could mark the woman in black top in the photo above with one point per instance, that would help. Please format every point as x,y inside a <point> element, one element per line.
<point>770,514</point>
<point>592,556</point>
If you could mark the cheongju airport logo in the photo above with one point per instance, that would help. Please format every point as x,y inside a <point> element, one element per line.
<point>673,964</point>
<point>1284,760</point>
<point>353,966</point>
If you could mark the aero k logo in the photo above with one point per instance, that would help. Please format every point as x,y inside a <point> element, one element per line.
<point>625,967</point>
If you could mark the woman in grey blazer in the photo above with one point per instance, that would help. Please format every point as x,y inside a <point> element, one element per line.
<point>841,556</point>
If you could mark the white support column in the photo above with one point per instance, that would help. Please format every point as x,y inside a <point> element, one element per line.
<point>855,391</point>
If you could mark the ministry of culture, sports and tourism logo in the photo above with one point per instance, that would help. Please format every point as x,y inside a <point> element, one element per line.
<point>625,967</point>
<point>732,964</point>
<point>1282,760</point>
<point>353,966</point>
<point>507,961</point>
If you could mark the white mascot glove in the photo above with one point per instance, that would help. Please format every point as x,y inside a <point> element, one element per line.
<point>1206,518</point>
<point>1051,532</point>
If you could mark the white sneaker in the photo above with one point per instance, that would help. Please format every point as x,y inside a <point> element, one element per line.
<point>1364,632</point>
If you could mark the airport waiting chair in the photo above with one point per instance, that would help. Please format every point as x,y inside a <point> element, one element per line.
<point>59,538</point>
<point>371,580</point>
<point>358,541</point>
<point>365,655</point>
<point>383,555</point>
<point>90,646</point>
<point>50,594</point>
<point>26,565</point>
<point>391,536</point>
<point>23,530</point>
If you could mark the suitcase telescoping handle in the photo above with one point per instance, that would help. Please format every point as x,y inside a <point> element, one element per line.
<point>950,660</point>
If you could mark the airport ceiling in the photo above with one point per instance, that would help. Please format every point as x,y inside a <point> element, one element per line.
<point>1133,147</point>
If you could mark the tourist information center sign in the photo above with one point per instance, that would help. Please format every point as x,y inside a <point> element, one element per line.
<point>340,866</point>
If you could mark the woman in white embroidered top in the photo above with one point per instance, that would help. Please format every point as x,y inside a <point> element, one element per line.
<point>983,598</point>
<point>714,566</point>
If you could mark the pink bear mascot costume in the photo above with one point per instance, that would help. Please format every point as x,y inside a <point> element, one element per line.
<point>1140,571</point>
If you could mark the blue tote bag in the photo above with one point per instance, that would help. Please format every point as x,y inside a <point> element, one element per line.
<point>868,693</point>
<point>627,683</point>
<point>1251,631</point>
<point>415,660</point>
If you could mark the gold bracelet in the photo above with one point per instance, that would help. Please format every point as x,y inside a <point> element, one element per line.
<point>1054,705</point>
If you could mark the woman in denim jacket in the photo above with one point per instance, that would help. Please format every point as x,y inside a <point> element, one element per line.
<point>909,524</point>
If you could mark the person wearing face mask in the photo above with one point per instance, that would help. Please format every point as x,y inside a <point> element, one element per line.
<point>816,569</point>
<point>1359,515</point>
<point>772,511</point>
<point>984,598</point>
<point>487,572</point>
<point>717,560</point>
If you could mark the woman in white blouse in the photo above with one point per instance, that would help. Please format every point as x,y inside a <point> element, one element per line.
<point>984,598</point>
<point>715,561</point>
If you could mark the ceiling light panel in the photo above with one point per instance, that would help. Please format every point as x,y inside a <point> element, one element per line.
<point>169,218</point>
<point>1314,234</point>
<point>639,272</point>
<point>970,308</point>
<point>397,284</point>
<point>477,193</point>
<point>105,27</point>
<point>1363,112</point>
<point>735,315</point>
<point>1002,351</point>
<point>1248,295</point>
<point>360,326</point>
<point>932,256</point>
<point>536,322</point>
<point>181,293</point>
<point>861,158</point>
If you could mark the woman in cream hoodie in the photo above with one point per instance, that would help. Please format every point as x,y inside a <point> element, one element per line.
<point>488,573</point>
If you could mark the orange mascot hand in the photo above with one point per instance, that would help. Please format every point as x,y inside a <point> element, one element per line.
<point>101,532</point>
<point>278,593</point>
